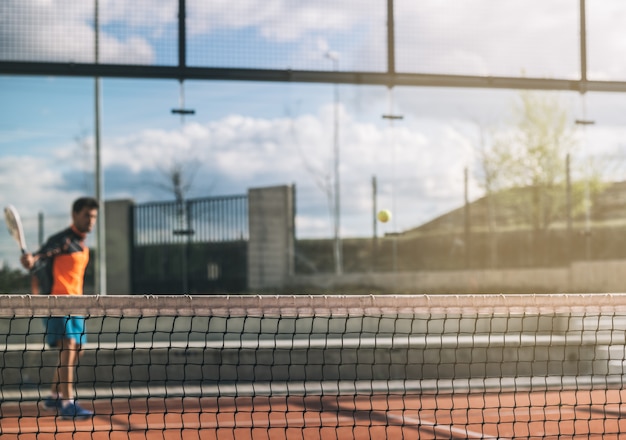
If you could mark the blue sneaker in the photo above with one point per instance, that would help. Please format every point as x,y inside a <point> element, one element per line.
<point>51,404</point>
<point>74,411</point>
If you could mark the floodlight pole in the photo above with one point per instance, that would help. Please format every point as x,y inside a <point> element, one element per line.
<point>100,271</point>
<point>334,57</point>
<point>584,122</point>
<point>391,117</point>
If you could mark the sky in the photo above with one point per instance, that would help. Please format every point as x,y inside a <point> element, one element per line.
<point>253,134</point>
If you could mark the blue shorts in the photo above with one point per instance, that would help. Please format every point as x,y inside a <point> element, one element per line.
<point>65,327</point>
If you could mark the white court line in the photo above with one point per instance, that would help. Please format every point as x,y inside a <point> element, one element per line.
<point>526,411</point>
<point>302,421</point>
<point>331,421</point>
<point>445,429</point>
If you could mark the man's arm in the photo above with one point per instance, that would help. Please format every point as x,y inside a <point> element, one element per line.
<point>48,250</point>
<point>28,260</point>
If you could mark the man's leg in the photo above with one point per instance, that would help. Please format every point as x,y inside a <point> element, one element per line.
<point>68,357</point>
<point>53,402</point>
<point>67,365</point>
<point>55,379</point>
<point>54,331</point>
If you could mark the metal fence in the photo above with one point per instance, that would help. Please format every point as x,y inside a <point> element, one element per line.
<point>382,42</point>
<point>192,246</point>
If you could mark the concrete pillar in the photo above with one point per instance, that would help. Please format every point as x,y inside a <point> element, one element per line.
<point>272,231</point>
<point>119,245</point>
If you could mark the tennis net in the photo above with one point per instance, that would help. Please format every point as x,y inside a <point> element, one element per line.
<point>442,366</point>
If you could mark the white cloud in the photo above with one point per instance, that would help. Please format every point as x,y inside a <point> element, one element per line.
<point>476,37</point>
<point>62,31</point>
<point>29,184</point>
<point>248,152</point>
<point>419,163</point>
<point>278,20</point>
<point>483,37</point>
<point>153,14</point>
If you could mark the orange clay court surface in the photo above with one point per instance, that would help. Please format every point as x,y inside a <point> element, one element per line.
<point>546,415</point>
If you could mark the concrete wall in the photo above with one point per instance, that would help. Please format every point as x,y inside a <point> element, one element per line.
<point>583,277</point>
<point>119,244</point>
<point>271,243</point>
<point>599,276</point>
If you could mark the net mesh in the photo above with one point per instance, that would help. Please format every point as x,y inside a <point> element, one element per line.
<point>513,366</point>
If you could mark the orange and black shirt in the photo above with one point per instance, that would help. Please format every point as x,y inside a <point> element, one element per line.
<point>62,263</point>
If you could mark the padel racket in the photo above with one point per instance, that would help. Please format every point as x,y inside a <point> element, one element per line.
<point>14,223</point>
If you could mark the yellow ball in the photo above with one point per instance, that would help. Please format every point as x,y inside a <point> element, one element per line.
<point>384,215</point>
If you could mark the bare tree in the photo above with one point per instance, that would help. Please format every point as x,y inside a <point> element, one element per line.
<point>179,178</point>
<point>321,176</point>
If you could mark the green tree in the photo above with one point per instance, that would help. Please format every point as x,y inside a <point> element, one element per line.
<point>13,280</point>
<point>524,169</point>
